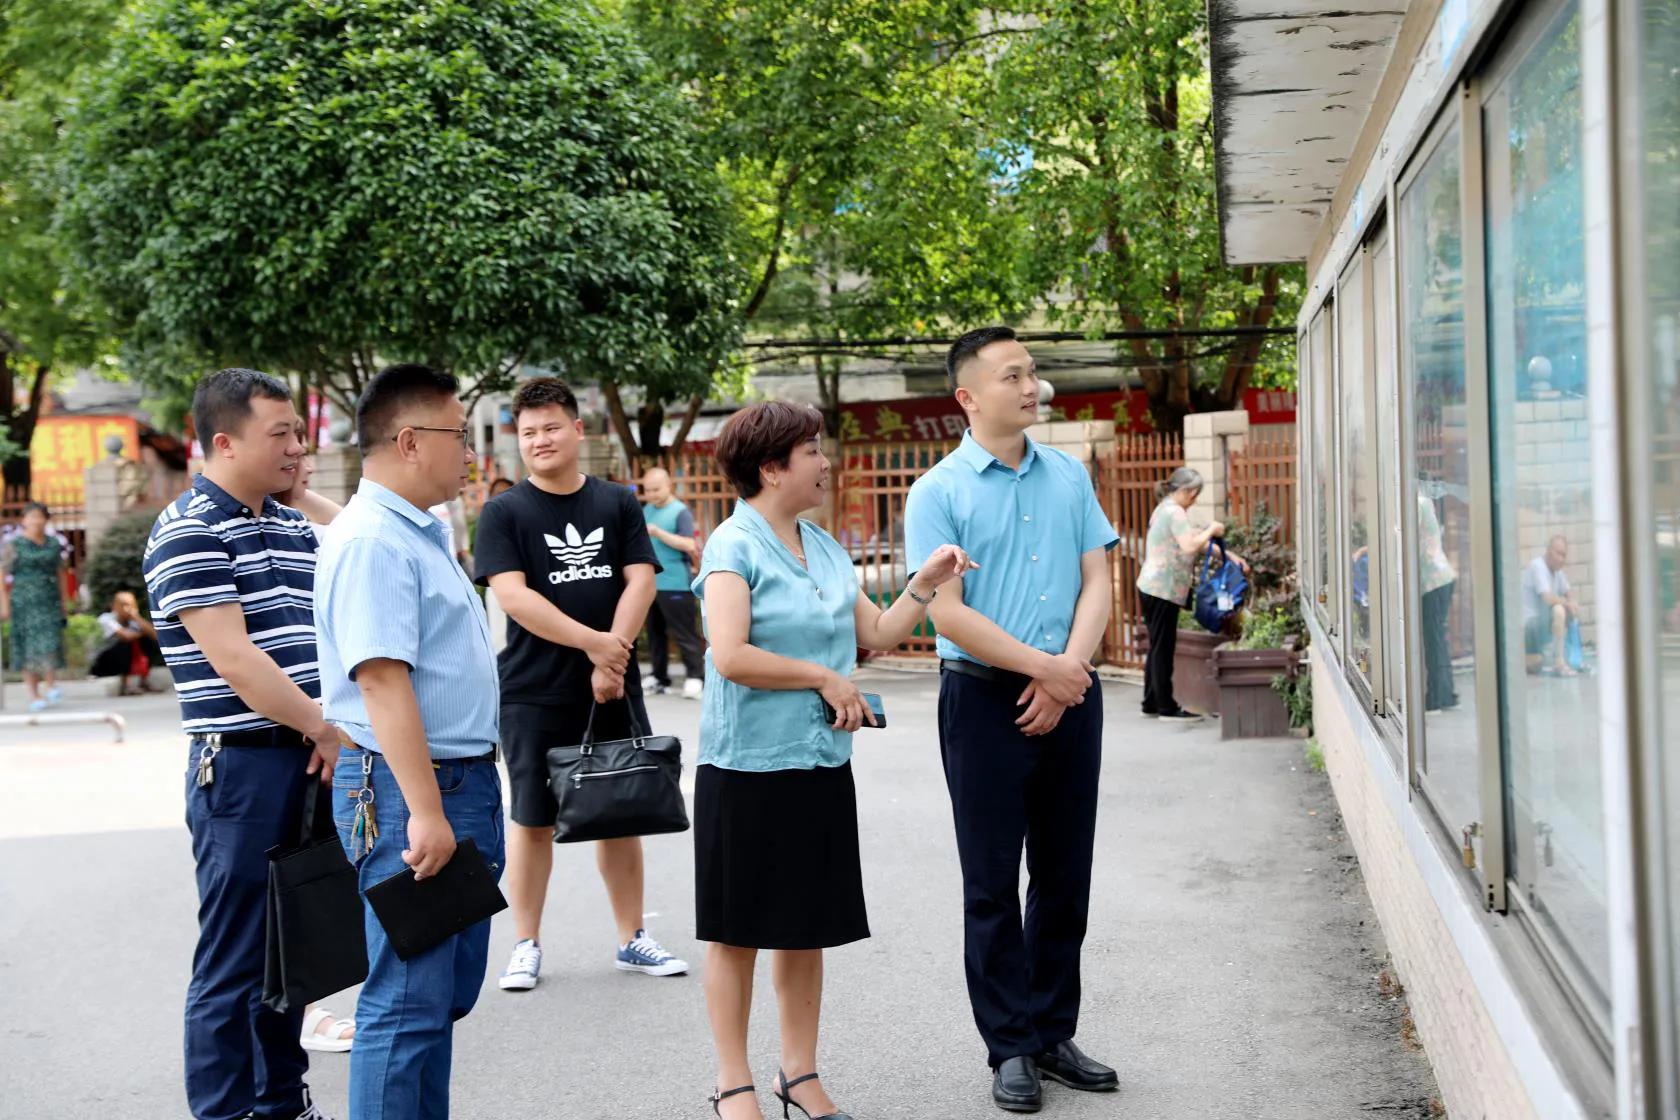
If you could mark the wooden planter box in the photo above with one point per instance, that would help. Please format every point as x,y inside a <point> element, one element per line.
<point>1249,709</point>
<point>1193,683</point>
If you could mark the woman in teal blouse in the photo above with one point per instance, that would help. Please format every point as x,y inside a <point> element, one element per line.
<point>775,809</point>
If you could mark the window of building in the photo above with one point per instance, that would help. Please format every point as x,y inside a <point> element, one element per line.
<point>1387,528</point>
<point>1324,480</point>
<point>1659,29</point>
<point>1431,247</point>
<point>1538,373</point>
<point>1355,471</point>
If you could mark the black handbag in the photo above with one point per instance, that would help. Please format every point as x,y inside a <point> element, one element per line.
<point>624,787</point>
<point>316,942</point>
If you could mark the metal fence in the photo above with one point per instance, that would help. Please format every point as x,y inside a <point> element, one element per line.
<point>1262,476</point>
<point>1128,488</point>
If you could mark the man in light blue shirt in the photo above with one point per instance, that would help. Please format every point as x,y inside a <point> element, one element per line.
<point>408,671</point>
<point>1020,727</point>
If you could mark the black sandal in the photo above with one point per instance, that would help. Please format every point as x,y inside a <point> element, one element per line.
<point>785,1095</point>
<point>718,1097</point>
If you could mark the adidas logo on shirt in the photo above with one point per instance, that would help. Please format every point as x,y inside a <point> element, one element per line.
<point>575,551</point>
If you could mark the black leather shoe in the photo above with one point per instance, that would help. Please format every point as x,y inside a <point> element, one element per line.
<point>1069,1065</point>
<point>1015,1086</point>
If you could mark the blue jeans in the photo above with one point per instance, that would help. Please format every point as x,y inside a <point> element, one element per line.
<point>399,1067</point>
<point>241,1057</point>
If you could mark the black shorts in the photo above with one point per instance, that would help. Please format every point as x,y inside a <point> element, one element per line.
<point>529,731</point>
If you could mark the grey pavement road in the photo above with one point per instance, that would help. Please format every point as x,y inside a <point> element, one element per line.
<point>1230,969</point>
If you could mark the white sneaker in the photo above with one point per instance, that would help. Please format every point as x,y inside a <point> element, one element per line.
<point>648,956</point>
<point>692,688</point>
<point>651,685</point>
<point>522,969</point>
<point>311,1111</point>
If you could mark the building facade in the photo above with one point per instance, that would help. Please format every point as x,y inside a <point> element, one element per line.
<point>1487,196</point>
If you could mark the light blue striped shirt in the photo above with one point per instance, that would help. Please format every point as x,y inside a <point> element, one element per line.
<point>386,586</point>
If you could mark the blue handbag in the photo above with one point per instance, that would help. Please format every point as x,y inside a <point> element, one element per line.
<point>1573,655</point>
<point>1221,591</point>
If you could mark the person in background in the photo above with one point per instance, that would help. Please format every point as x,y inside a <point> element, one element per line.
<point>231,575</point>
<point>775,807</point>
<point>1020,725</point>
<point>35,598</point>
<point>1171,549</point>
<point>453,514</point>
<point>492,605</point>
<point>130,649</point>
<point>407,670</point>
<point>1436,578</point>
<point>569,559</point>
<point>1548,608</point>
<point>675,612</point>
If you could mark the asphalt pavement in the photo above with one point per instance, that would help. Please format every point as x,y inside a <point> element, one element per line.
<point>1230,970</point>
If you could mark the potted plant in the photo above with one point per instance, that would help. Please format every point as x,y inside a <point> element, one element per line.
<point>1247,670</point>
<point>1193,669</point>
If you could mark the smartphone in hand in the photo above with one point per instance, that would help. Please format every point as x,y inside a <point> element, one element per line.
<point>870,698</point>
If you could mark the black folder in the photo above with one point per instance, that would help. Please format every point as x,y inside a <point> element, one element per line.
<point>419,915</point>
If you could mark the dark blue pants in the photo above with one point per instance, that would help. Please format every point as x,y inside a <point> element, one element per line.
<point>241,1057</point>
<point>1009,790</point>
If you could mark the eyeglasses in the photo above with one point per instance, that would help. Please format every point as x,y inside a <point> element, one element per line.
<point>462,434</point>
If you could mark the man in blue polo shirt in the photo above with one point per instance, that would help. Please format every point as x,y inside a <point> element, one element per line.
<point>1020,727</point>
<point>230,573</point>
<point>408,671</point>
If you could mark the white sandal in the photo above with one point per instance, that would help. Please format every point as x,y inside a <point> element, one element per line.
<point>334,1041</point>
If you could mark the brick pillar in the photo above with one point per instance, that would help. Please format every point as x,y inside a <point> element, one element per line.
<point>1083,439</point>
<point>103,498</point>
<point>338,471</point>
<point>1209,439</point>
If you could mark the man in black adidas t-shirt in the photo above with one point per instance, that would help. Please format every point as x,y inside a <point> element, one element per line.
<point>569,559</point>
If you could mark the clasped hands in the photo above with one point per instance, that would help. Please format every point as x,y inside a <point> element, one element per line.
<point>610,654</point>
<point>1062,685</point>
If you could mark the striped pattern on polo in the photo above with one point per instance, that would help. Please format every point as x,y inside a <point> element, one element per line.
<point>205,550</point>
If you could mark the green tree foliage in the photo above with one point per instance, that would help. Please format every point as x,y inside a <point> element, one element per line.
<point>906,165</point>
<point>1113,101</point>
<point>321,186</point>
<point>864,191</point>
<point>116,564</point>
<point>45,330</point>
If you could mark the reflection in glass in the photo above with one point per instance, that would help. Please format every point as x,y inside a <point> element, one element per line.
<point>1432,284</point>
<point>1538,373</point>
<point>1661,143</point>
<point>1356,475</point>
<point>1323,434</point>
<point>1391,627</point>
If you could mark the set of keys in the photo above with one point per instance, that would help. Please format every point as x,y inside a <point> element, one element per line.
<point>364,831</point>
<point>207,758</point>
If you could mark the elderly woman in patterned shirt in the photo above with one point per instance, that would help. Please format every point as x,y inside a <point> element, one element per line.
<point>1170,552</point>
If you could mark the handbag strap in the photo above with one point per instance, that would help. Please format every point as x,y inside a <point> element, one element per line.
<point>1207,561</point>
<point>636,729</point>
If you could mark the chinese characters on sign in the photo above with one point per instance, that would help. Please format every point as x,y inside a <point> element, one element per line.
<point>65,446</point>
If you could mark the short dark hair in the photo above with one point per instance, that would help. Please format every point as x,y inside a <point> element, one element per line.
<point>394,389</point>
<point>766,432</point>
<point>222,401</point>
<point>967,345</point>
<point>31,507</point>
<point>544,392</point>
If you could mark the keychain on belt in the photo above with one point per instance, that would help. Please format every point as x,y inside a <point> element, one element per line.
<point>365,830</point>
<point>207,758</point>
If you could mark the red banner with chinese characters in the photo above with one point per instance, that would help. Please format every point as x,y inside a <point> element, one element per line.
<point>65,446</point>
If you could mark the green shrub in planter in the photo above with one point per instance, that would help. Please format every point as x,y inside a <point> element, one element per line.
<point>115,565</point>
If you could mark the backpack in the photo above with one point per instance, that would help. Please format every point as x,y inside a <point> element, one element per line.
<point>1221,591</point>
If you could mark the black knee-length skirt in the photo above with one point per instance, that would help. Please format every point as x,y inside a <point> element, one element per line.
<point>776,858</point>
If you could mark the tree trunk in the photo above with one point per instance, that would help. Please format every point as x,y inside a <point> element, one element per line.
<point>828,392</point>
<point>690,414</point>
<point>20,425</point>
<point>620,422</point>
<point>650,418</point>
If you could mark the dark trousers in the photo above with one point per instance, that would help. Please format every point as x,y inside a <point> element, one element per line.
<point>674,616</point>
<point>1438,690</point>
<point>1161,617</point>
<point>1008,790</point>
<point>241,1057</point>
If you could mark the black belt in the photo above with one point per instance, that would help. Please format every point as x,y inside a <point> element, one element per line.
<point>986,673</point>
<point>255,737</point>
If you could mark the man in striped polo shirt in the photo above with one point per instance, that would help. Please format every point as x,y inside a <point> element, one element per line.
<point>231,573</point>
